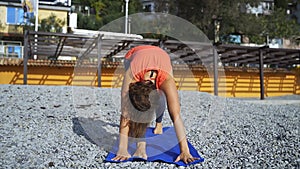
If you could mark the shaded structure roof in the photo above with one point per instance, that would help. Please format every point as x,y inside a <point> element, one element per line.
<point>115,45</point>
<point>250,55</point>
<point>108,46</point>
<point>52,45</point>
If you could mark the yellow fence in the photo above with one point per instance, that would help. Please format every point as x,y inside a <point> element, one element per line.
<point>232,83</point>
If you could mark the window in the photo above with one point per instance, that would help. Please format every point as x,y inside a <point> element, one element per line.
<point>11,49</point>
<point>14,51</point>
<point>17,16</point>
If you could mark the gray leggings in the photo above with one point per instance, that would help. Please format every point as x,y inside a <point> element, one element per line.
<point>161,109</point>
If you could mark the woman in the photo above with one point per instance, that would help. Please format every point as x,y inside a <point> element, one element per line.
<point>148,80</point>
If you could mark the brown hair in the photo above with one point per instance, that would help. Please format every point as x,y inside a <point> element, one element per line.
<point>144,100</point>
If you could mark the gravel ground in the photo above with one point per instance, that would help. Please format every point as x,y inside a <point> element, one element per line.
<point>75,127</point>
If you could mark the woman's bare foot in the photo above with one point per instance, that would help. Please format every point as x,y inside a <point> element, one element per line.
<point>158,128</point>
<point>141,150</point>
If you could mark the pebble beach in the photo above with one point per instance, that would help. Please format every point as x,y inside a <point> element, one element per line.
<point>75,127</point>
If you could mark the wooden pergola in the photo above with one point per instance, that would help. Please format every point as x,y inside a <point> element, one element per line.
<point>113,46</point>
<point>243,55</point>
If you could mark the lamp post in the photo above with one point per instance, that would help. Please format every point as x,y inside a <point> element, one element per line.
<point>216,22</point>
<point>126,16</point>
<point>36,25</point>
<point>87,9</point>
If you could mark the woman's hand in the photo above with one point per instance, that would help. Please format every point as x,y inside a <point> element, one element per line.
<point>186,158</point>
<point>122,155</point>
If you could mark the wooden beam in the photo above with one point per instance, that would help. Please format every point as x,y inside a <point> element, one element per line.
<point>261,74</point>
<point>25,59</point>
<point>99,72</point>
<point>216,76</point>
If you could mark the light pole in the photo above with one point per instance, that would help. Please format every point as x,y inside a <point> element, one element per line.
<point>126,16</point>
<point>216,23</point>
<point>87,9</point>
<point>36,25</point>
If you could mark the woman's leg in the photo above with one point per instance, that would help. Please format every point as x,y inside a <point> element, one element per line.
<point>159,114</point>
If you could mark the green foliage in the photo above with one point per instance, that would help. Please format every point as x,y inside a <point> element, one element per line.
<point>99,8</point>
<point>278,25</point>
<point>105,12</point>
<point>89,22</point>
<point>203,14</point>
<point>234,19</point>
<point>231,15</point>
<point>1,26</point>
<point>281,3</point>
<point>27,26</point>
<point>52,24</point>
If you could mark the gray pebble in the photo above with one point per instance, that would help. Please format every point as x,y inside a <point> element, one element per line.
<point>74,127</point>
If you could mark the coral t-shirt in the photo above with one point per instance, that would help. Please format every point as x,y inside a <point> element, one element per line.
<point>145,58</point>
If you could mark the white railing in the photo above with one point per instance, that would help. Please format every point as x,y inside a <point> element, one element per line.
<point>11,49</point>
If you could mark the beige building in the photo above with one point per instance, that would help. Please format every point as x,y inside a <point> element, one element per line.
<point>16,15</point>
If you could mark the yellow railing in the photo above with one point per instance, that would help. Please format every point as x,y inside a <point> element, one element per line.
<point>231,82</point>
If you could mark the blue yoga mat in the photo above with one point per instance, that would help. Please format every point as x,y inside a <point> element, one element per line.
<point>160,148</point>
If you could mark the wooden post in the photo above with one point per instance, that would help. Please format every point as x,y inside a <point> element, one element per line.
<point>99,59</point>
<point>261,74</point>
<point>215,65</point>
<point>25,57</point>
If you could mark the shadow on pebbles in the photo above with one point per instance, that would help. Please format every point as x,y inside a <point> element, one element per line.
<point>75,127</point>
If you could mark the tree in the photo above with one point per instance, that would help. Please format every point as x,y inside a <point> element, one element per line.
<point>52,24</point>
<point>234,19</point>
<point>278,25</point>
<point>1,28</point>
<point>202,13</point>
<point>89,22</point>
<point>231,15</point>
<point>105,11</point>
<point>283,4</point>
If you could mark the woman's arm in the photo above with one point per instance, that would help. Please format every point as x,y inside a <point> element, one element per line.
<point>122,153</point>
<point>170,90</point>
